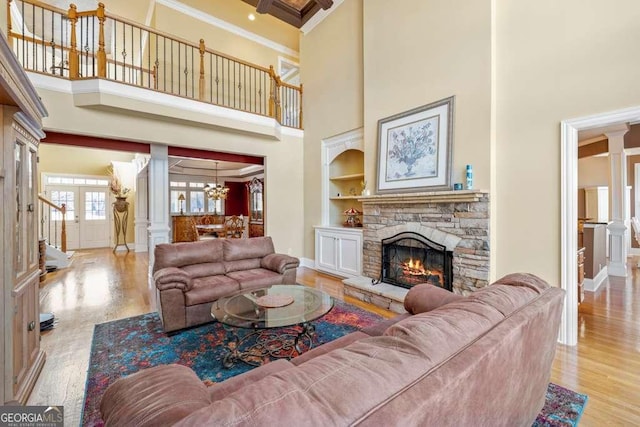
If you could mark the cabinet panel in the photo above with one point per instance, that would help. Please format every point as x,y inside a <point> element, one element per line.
<point>184,229</point>
<point>326,251</point>
<point>349,254</point>
<point>339,251</point>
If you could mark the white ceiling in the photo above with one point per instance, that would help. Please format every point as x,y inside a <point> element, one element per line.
<point>187,166</point>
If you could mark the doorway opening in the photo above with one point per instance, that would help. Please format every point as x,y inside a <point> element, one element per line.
<point>569,209</point>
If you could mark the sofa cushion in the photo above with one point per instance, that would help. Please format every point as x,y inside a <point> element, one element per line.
<point>380,327</point>
<point>426,297</point>
<point>256,278</point>
<point>241,264</point>
<point>221,390</point>
<point>256,247</point>
<point>343,341</point>
<point>155,396</point>
<point>209,289</point>
<point>186,253</point>
<point>205,269</point>
<point>511,291</point>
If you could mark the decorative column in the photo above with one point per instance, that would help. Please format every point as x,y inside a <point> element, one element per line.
<point>141,221</point>
<point>158,181</point>
<point>617,203</point>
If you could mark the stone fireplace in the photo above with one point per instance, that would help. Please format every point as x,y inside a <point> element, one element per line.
<point>455,221</point>
<point>409,259</point>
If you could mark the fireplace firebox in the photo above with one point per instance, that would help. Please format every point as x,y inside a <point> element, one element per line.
<point>409,259</point>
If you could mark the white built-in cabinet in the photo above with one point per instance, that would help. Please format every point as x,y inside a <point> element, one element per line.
<point>21,113</point>
<point>339,250</point>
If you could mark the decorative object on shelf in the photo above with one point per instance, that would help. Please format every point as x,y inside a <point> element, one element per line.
<point>457,186</point>
<point>469,175</point>
<point>352,191</point>
<point>414,148</point>
<point>353,218</point>
<point>181,200</point>
<point>365,190</point>
<point>218,191</point>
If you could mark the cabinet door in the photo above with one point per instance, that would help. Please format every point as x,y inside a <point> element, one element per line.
<point>349,254</point>
<point>26,324</point>
<point>326,256</point>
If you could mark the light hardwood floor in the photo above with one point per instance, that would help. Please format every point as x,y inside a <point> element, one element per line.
<point>101,286</point>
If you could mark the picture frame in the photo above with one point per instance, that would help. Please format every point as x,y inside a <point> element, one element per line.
<point>414,149</point>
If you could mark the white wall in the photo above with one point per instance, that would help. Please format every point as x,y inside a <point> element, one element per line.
<point>593,172</point>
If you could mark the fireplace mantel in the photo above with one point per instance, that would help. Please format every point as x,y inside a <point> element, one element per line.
<point>455,196</point>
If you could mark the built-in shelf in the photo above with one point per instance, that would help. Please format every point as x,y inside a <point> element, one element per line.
<point>345,197</point>
<point>347,177</point>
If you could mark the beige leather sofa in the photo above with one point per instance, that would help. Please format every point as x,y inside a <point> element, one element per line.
<point>189,276</point>
<point>481,360</point>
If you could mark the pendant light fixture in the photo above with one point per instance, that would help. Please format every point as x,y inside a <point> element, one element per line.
<point>218,191</point>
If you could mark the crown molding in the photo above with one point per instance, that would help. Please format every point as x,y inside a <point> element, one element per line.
<point>319,17</point>
<point>234,29</point>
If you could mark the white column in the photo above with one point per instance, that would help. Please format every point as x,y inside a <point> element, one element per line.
<point>617,202</point>
<point>141,221</point>
<point>158,186</point>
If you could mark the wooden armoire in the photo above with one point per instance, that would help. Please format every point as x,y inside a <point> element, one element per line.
<point>21,113</point>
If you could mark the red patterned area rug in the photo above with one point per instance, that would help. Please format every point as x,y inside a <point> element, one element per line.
<point>125,346</point>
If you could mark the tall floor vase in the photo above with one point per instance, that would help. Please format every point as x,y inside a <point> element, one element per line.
<point>120,218</point>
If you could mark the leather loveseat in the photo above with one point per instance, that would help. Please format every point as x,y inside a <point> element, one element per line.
<point>481,360</point>
<point>189,276</point>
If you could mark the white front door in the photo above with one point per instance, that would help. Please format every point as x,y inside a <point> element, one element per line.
<point>94,218</point>
<point>87,216</point>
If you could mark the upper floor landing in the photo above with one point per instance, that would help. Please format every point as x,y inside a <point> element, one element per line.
<point>106,61</point>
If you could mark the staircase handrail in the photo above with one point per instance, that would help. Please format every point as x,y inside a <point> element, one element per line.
<point>63,223</point>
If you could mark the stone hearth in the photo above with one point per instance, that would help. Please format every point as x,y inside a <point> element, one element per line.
<point>458,220</point>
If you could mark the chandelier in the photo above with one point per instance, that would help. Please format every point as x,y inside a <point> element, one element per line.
<point>218,191</point>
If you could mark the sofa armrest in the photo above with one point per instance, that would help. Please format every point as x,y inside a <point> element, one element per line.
<point>426,297</point>
<point>162,395</point>
<point>172,277</point>
<point>279,262</point>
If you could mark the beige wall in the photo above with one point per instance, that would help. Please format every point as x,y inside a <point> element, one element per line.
<point>134,10</point>
<point>555,61</point>
<point>332,73</point>
<point>55,158</point>
<point>422,52</point>
<point>191,29</point>
<point>237,12</point>
<point>593,172</point>
<point>283,158</point>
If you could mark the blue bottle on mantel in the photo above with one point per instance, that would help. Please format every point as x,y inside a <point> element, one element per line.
<point>469,177</point>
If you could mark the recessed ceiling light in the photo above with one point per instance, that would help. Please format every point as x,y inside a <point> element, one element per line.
<point>252,17</point>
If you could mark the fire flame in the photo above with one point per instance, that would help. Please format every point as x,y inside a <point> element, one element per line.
<point>414,268</point>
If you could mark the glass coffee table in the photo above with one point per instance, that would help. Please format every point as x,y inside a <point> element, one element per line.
<point>252,317</point>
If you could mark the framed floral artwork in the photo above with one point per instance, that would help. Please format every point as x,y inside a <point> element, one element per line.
<point>414,149</point>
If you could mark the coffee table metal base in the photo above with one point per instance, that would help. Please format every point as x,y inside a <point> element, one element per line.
<point>259,346</point>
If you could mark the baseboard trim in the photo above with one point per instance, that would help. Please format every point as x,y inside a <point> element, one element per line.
<point>592,285</point>
<point>308,262</point>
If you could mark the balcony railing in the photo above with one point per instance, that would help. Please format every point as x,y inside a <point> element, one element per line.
<point>93,44</point>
